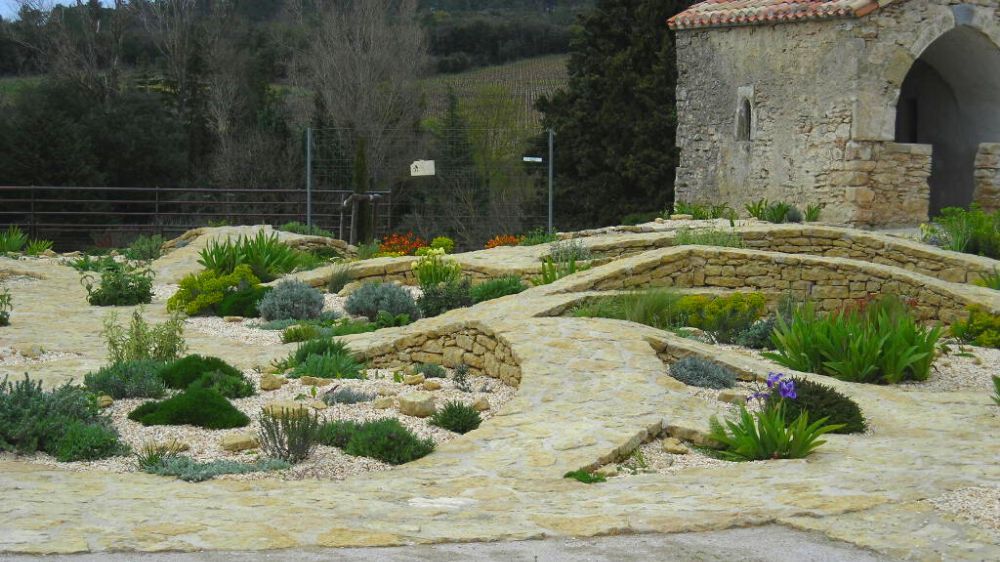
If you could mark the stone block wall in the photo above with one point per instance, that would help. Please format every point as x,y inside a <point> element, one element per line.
<point>483,352</point>
<point>987,177</point>
<point>883,183</point>
<point>831,282</point>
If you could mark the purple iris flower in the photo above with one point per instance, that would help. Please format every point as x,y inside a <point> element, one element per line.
<point>773,378</point>
<point>787,389</point>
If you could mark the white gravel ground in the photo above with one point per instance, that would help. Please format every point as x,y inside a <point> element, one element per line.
<point>979,506</point>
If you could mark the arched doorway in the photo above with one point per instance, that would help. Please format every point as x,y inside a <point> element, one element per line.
<point>950,99</point>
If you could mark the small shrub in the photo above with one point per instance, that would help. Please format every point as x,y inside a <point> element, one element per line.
<point>316,347</point>
<point>145,248</point>
<point>723,317</point>
<point>329,366</point>
<point>305,229</point>
<point>565,251</point>
<point>37,247</point>
<point>434,268</point>
<point>386,320</point>
<point>553,271</point>
<point>708,237</point>
<point>340,276</point>
<point>290,437</point>
<point>443,243</point>
<point>182,373</point>
<point>291,299</point>
<point>536,237</point>
<point>774,212</point>
<point>348,327</point>
<point>347,396</point>
<point>695,371</point>
<point>12,240</point>
<point>367,251</point>
<point>981,328</point>
<point>972,231</point>
<point>456,416</point>
<point>277,325</point>
<point>461,377</point>
<point>303,332</point>
<point>496,288</point>
<point>585,477</point>
<point>371,298</point>
<point>159,342</point>
<point>242,302</point>
<point>120,285</point>
<point>388,441</point>
<point>98,264</point>
<point>442,297</point>
<point>6,306</point>
<point>337,433</point>
<point>813,212</point>
<point>758,334</point>
<point>503,240</point>
<point>704,212</point>
<point>197,405</point>
<point>203,292</point>
<point>431,371</point>
<point>821,401</point>
<point>33,419</point>
<point>990,280</point>
<point>88,442</point>
<point>189,470</point>
<point>132,379</point>
<point>266,256</point>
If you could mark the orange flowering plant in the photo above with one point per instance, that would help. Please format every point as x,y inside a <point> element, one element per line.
<point>503,240</point>
<point>403,244</point>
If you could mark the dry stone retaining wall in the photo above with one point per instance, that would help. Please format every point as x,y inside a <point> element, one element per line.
<point>482,351</point>
<point>987,177</point>
<point>832,282</point>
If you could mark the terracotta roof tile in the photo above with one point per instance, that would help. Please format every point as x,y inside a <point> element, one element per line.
<point>723,13</point>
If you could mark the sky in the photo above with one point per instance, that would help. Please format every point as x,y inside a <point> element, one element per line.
<point>8,8</point>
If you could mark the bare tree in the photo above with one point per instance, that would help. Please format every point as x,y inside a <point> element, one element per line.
<point>173,27</point>
<point>365,58</point>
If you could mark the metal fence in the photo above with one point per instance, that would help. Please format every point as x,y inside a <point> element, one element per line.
<point>76,217</point>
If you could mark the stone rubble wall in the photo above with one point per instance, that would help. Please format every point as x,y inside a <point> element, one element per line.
<point>483,352</point>
<point>826,241</point>
<point>884,183</point>
<point>831,282</point>
<point>987,177</point>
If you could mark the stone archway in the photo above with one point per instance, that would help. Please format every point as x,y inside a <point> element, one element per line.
<point>950,99</point>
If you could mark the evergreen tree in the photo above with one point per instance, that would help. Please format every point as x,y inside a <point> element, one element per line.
<point>616,122</point>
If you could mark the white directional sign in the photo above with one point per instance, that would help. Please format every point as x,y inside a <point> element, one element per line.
<point>422,168</point>
<point>533,159</point>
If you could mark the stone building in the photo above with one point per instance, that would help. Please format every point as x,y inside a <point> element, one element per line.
<point>885,111</point>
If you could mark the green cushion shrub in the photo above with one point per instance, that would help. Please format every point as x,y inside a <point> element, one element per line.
<point>88,442</point>
<point>197,405</point>
<point>291,298</point>
<point>371,298</point>
<point>431,371</point>
<point>129,379</point>
<point>496,288</point>
<point>242,302</point>
<point>821,401</point>
<point>388,441</point>
<point>183,372</point>
<point>226,385</point>
<point>695,371</point>
<point>337,433</point>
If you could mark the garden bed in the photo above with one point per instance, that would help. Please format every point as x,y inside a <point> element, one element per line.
<point>325,462</point>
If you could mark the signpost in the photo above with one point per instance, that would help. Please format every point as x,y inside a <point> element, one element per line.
<point>539,160</point>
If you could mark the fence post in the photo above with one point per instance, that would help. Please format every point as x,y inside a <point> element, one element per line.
<point>32,229</point>
<point>309,174</point>
<point>552,139</point>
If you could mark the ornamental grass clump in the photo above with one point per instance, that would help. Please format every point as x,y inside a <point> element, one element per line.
<point>971,231</point>
<point>433,268</point>
<point>708,237</point>
<point>456,416</point>
<point>875,341</point>
<point>766,433</point>
<point>145,248</point>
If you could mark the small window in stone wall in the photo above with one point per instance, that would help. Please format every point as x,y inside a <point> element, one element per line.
<point>744,120</point>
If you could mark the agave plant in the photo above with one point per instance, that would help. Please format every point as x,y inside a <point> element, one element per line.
<point>12,240</point>
<point>267,257</point>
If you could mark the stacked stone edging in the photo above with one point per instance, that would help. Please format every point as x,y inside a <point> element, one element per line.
<point>832,282</point>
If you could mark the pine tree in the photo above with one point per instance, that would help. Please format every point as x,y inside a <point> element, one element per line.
<point>616,122</point>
